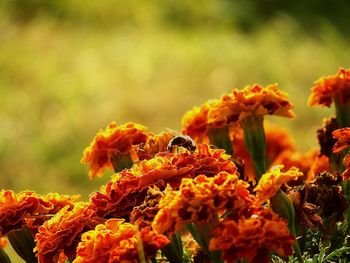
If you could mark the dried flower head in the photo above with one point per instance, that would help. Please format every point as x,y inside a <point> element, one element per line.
<point>253,238</point>
<point>253,100</point>
<point>306,212</point>
<point>328,89</point>
<point>325,137</point>
<point>62,232</point>
<point>114,141</point>
<point>117,241</point>
<point>199,200</point>
<point>325,192</point>
<point>128,188</point>
<point>272,181</point>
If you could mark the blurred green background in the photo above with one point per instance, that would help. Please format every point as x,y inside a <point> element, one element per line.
<point>69,67</point>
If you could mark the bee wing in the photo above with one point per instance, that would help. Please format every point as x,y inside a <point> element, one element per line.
<point>173,131</point>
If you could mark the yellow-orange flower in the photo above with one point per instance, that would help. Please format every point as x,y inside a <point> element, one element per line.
<point>199,199</point>
<point>155,144</point>
<point>128,188</point>
<point>115,140</point>
<point>117,241</point>
<point>304,161</point>
<point>17,209</point>
<point>346,162</point>
<point>343,139</point>
<point>326,89</point>
<point>272,181</point>
<point>253,238</point>
<point>195,121</point>
<point>253,100</point>
<point>62,232</point>
<point>343,142</point>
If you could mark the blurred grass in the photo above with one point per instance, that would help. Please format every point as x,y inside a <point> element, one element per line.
<point>68,69</point>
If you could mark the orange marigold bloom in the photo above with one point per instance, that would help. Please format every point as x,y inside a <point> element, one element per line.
<point>155,144</point>
<point>116,241</point>
<point>61,233</point>
<point>253,238</point>
<point>199,199</point>
<point>128,188</point>
<point>326,89</point>
<point>346,162</point>
<point>115,140</point>
<point>343,139</point>
<point>272,181</point>
<point>17,209</point>
<point>307,162</point>
<point>253,100</point>
<point>195,122</point>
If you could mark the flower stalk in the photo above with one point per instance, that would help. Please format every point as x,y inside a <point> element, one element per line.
<point>221,139</point>
<point>254,139</point>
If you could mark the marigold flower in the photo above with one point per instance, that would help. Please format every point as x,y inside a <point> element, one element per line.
<point>272,181</point>
<point>326,89</point>
<point>144,214</point>
<point>253,100</point>
<point>253,238</point>
<point>343,142</point>
<point>107,144</point>
<point>343,139</point>
<point>17,209</point>
<point>128,188</point>
<point>304,161</point>
<point>117,241</point>
<point>346,162</point>
<point>155,144</point>
<point>199,199</point>
<point>195,122</point>
<point>62,232</point>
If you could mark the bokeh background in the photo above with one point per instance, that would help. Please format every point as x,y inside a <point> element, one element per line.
<point>69,67</point>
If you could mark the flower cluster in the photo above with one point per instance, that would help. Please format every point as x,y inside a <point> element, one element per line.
<point>230,188</point>
<point>117,241</point>
<point>128,188</point>
<point>200,200</point>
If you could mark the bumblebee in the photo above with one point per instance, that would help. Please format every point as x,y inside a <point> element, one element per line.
<point>183,141</point>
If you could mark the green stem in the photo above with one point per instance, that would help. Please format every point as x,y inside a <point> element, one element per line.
<point>201,233</point>
<point>220,137</point>
<point>174,251</point>
<point>282,205</point>
<point>4,258</point>
<point>254,139</point>
<point>342,113</point>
